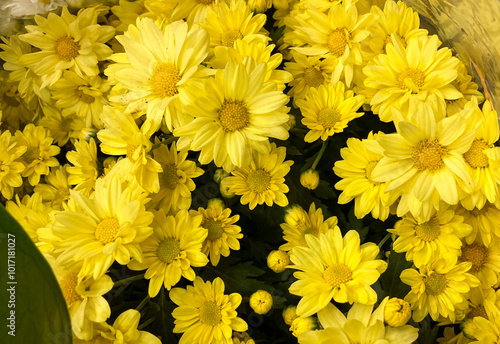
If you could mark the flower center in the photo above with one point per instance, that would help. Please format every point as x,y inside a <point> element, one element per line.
<point>475,156</point>
<point>215,228</point>
<point>168,250</point>
<point>170,177</point>
<point>477,312</point>
<point>337,274</point>
<point>102,340</point>
<point>233,115</point>
<point>411,79</point>
<point>164,80</point>
<point>229,37</point>
<point>428,155</point>
<point>336,42</point>
<point>31,154</point>
<point>435,283</point>
<point>476,254</point>
<point>210,313</point>
<point>313,77</point>
<point>428,231</point>
<point>259,181</point>
<point>68,286</point>
<point>67,48</point>
<point>85,98</point>
<point>368,172</point>
<point>327,118</point>
<point>130,152</point>
<point>106,230</point>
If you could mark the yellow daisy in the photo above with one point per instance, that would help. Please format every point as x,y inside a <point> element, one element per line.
<point>487,328</point>
<point>485,259</point>
<point>176,180</point>
<point>55,188</point>
<point>223,234</point>
<point>126,13</point>
<point>439,287</point>
<point>172,250</point>
<point>107,228</point>
<point>194,11</point>
<point>157,64</point>
<point>483,221</point>
<point>424,241</point>
<point>67,42</point>
<point>11,167</point>
<point>17,112</point>
<point>467,87</point>
<point>326,110</point>
<point>62,128</point>
<point>263,181</point>
<point>299,222</point>
<point>403,75</point>
<point>334,267</point>
<point>232,121</point>
<point>205,314</point>
<point>86,168</point>
<point>360,158</point>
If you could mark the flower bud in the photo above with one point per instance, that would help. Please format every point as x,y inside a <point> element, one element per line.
<point>290,314</point>
<point>278,260</point>
<point>301,325</point>
<point>219,175</point>
<point>225,190</point>
<point>397,312</point>
<point>260,6</point>
<point>309,179</point>
<point>216,203</point>
<point>261,302</point>
<point>242,338</point>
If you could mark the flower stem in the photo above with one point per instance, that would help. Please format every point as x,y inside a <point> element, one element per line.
<point>382,242</point>
<point>146,323</point>
<point>164,142</point>
<point>320,154</point>
<point>143,302</point>
<point>128,280</point>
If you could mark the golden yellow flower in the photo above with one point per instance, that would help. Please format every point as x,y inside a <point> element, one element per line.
<point>11,168</point>
<point>86,168</point>
<point>397,312</point>
<point>289,314</point>
<point>303,324</point>
<point>309,179</point>
<point>278,260</point>
<point>261,302</point>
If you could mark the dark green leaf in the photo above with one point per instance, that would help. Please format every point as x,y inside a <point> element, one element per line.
<point>390,279</point>
<point>324,190</point>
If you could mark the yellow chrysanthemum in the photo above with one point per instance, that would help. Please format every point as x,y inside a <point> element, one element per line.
<point>299,222</point>
<point>242,338</point>
<point>156,66</point>
<point>205,314</point>
<point>485,259</point>
<point>439,287</point>
<point>263,181</point>
<point>10,166</point>
<point>326,110</point>
<point>194,11</point>
<point>414,73</point>
<point>397,312</point>
<point>467,87</point>
<point>335,267</point>
<point>176,180</point>
<point>424,241</point>
<point>107,228</point>
<point>487,329</point>
<point>360,158</point>
<point>67,42</point>
<point>360,326</point>
<point>232,121</point>
<point>40,153</point>
<point>85,169</point>
<point>483,221</point>
<point>261,302</point>
<point>172,250</point>
<point>55,188</point>
<point>223,234</point>
<point>62,128</point>
<point>17,112</point>
<point>126,13</point>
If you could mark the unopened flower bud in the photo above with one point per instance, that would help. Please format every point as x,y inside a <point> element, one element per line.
<point>301,325</point>
<point>278,260</point>
<point>261,302</point>
<point>397,312</point>
<point>290,314</point>
<point>309,179</point>
<point>219,175</point>
<point>225,190</point>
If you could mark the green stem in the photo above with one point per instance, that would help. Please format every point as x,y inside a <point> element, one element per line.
<point>143,302</point>
<point>128,280</point>
<point>382,242</point>
<point>320,154</point>
<point>164,142</point>
<point>146,323</point>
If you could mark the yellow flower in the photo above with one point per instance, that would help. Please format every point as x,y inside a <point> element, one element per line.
<point>303,324</point>
<point>126,13</point>
<point>242,338</point>
<point>11,167</point>
<point>485,259</point>
<point>85,169</point>
<point>205,314</point>
<point>263,181</point>
<point>335,267</point>
<point>232,122</point>
<point>172,250</point>
<point>261,302</point>
<point>467,87</point>
<point>194,11</point>
<point>488,329</point>
<point>278,261</point>
<point>483,222</point>
<point>424,241</point>
<point>360,158</point>
<point>439,287</point>
<point>109,227</point>
<point>397,312</point>
<point>40,153</point>
<point>67,42</point>
<point>309,179</point>
<point>223,234</point>
<point>289,314</point>
<point>55,190</point>
<point>62,128</point>
<point>299,222</point>
<point>16,111</point>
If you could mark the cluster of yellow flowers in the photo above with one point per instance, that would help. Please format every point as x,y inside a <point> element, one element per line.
<point>108,114</point>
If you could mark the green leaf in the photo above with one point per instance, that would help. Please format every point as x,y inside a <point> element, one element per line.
<point>390,279</point>
<point>324,190</point>
<point>39,310</point>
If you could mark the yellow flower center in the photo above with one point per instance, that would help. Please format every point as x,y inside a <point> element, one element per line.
<point>83,97</point>
<point>337,274</point>
<point>259,181</point>
<point>102,340</point>
<point>476,254</point>
<point>368,172</point>
<point>228,38</point>
<point>233,115</point>
<point>428,231</point>
<point>31,154</point>
<point>130,152</point>
<point>210,313</point>
<point>337,42</point>
<point>327,118</point>
<point>169,250</point>
<point>164,80</point>
<point>435,283</point>
<point>68,286</point>
<point>106,230</point>
<point>311,230</point>
<point>411,79</point>
<point>475,156</point>
<point>215,228</point>
<point>170,178</point>
<point>428,155</point>
<point>477,312</point>
<point>67,48</point>
<point>313,77</point>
